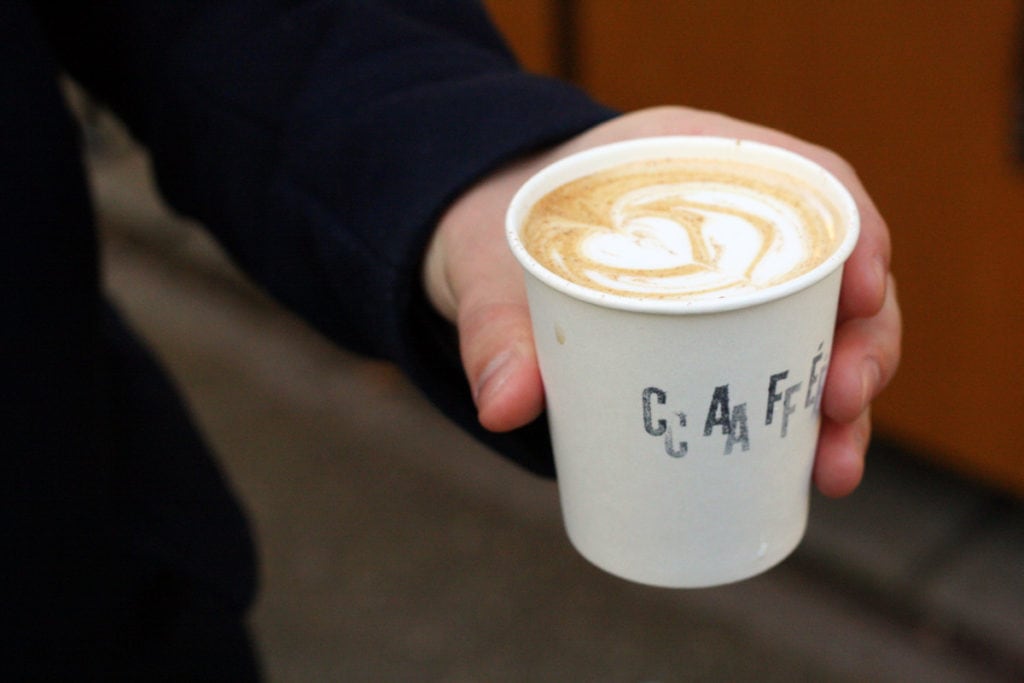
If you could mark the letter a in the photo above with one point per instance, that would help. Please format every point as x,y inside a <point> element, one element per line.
<point>740,434</point>
<point>718,413</point>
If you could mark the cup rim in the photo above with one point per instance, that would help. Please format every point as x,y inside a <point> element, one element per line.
<point>598,158</point>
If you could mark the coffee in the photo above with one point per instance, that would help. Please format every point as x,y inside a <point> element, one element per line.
<point>683,294</point>
<point>682,228</point>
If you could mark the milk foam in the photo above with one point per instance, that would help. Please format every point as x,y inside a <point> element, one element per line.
<point>682,229</point>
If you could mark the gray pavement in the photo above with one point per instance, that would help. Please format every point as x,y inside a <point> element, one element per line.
<point>394,548</point>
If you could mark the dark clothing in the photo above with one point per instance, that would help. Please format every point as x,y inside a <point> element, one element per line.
<point>319,141</point>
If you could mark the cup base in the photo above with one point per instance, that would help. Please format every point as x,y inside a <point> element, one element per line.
<point>675,571</point>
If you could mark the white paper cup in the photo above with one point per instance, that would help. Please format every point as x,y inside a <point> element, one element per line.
<point>640,395</point>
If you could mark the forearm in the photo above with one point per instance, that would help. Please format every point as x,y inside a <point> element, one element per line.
<point>321,144</point>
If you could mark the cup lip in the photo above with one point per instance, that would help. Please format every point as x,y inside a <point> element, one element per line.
<point>598,158</point>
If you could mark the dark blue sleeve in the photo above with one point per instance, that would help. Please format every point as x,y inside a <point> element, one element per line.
<point>320,141</point>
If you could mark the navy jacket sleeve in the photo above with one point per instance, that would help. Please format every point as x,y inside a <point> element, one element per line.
<point>320,141</point>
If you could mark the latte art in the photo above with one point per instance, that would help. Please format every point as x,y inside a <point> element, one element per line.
<point>682,229</point>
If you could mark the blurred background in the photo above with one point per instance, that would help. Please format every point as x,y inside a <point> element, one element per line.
<point>394,548</point>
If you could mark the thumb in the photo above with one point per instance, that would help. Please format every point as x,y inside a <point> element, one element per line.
<point>473,280</point>
<point>500,361</point>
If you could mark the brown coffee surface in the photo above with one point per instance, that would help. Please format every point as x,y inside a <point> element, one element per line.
<point>682,229</point>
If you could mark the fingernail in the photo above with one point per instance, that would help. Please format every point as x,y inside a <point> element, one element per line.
<point>881,275</point>
<point>870,380</point>
<point>494,375</point>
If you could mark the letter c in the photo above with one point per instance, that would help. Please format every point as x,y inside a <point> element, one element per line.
<point>653,428</point>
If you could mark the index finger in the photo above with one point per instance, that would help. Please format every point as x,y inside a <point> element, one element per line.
<point>866,273</point>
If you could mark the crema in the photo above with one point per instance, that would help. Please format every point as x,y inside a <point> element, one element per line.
<point>682,228</point>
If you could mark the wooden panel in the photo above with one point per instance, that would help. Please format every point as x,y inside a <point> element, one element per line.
<point>918,96</point>
<point>530,26</point>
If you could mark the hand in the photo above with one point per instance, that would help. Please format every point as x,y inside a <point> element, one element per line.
<point>472,279</point>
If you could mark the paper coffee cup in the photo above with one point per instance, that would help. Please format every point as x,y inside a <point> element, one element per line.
<point>684,430</point>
